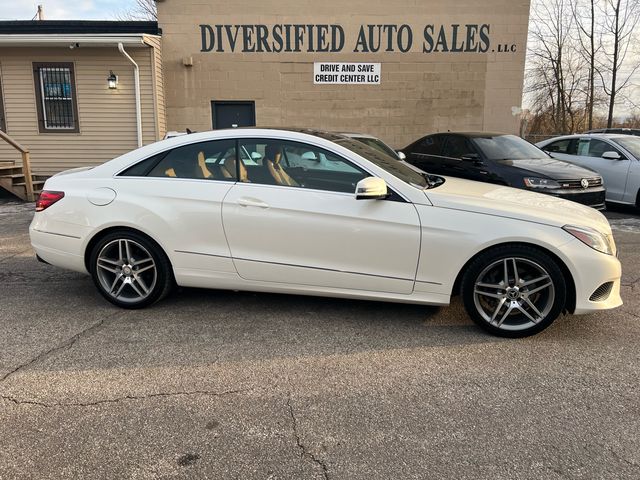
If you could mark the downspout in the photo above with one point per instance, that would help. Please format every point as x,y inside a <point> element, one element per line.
<point>136,81</point>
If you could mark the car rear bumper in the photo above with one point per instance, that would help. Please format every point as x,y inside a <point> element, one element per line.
<point>59,250</point>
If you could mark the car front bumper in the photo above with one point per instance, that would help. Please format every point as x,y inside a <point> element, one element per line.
<point>590,271</point>
<point>591,197</point>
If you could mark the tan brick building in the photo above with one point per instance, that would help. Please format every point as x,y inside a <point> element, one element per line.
<point>442,65</point>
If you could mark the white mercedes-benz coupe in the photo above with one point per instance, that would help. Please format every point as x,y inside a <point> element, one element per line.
<point>315,213</point>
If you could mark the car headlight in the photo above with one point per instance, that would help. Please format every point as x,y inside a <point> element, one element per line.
<point>593,238</point>
<point>542,183</point>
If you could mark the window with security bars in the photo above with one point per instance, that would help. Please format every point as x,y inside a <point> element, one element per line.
<point>56,96</point>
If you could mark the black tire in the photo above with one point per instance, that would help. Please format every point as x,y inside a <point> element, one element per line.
<point>486,302</point>
<point>143,280</point>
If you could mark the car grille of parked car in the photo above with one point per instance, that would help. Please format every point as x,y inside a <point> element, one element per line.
<point>591,199</point>
<point>593,182</point>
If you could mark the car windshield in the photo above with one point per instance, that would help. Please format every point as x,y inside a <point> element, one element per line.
<point>508,147</point>
<point>378,145</point>
<point>388,163</point>
<point>631,144</point>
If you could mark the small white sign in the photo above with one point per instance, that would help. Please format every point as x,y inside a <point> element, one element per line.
<point>335,73</point>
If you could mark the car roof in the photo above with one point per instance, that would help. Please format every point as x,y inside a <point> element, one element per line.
<point>309,131</point>
<point>471,134</point>
<point>625,130</point>
<point>357,135</point>
<point>303,134</point>
<point>610,136</point>
<point>324,134</point>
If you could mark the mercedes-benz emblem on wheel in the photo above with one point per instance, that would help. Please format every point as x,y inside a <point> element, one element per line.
<point>584,182</point>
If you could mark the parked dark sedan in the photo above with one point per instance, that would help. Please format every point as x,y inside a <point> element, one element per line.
<point>505,160</point>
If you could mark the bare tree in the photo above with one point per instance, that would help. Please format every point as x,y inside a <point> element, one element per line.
<point>632,121</point>
<point>141,10</point>
<point>619,21</point>
<point>583,58</point>
<point>584,14</point>
<point>556,74</point>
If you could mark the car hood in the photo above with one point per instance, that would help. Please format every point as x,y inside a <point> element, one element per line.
<point>551,167</point>
<point>498,200</point>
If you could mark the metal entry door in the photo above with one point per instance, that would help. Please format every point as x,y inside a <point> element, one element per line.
<point>227,114</point>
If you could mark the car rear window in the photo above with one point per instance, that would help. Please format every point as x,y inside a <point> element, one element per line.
<point>508,147</point>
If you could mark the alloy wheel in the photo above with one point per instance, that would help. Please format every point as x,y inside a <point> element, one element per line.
<point>126,270</point>
<point>514,293</point>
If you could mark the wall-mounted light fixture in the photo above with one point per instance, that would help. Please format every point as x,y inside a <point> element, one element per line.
<point>112,80</point>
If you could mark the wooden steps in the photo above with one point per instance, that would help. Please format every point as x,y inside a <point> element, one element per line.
<point>12,180</point>
<point>18,180</point>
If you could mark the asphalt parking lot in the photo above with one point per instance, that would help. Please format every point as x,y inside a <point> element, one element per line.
<point>215,384</point>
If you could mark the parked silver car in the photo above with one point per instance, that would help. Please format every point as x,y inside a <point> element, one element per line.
<point>615,157</point>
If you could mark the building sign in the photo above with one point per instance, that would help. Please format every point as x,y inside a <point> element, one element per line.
<point>310,38</point>
<point>346,73</point>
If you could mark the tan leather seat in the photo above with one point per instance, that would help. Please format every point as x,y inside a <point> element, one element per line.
<point>202,166</point>
<point>228,169</point>
<point>278,173</point>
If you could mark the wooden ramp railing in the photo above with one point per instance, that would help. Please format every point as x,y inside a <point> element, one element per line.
<point>26,165</point>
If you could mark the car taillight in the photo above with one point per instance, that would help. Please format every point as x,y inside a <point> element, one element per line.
<point>47,198</point>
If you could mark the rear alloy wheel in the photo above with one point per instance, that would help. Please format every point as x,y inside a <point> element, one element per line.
<point>514,291</point>
<point>129,270</point>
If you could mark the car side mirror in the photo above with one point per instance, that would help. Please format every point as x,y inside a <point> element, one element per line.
<point>310,156</point>
<point>256,156</point>
<point>401,155</point>
<point>611,156</point>
<point>371,188</point>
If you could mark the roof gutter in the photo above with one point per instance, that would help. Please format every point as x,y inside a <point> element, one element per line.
<point>66,40</point>
<point>136,80</point>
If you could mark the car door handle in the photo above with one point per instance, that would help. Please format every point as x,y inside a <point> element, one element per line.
<point>252,202</point>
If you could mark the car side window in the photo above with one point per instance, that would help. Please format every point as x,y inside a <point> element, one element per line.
<point>295,164</point>
<point>141,169</point>
<point>214,160</point>
<point>591,147</point>
<point>431,145</point>
<point>457,147</point>
<point>561,146</point>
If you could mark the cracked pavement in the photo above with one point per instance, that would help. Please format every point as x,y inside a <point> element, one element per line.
<point>215,384</point>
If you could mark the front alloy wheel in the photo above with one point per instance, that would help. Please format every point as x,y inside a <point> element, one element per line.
<point>514,291</point>
<point>129,270</point>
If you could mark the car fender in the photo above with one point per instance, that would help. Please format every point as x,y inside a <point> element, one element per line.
<point>461,235</point>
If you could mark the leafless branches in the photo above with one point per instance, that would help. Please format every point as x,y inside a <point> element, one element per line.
<point>619,21</point>
<point>141,10</point>
<point>580,60</point>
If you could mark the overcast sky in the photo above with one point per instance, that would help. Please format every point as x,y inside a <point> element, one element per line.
<point>64,9</point>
